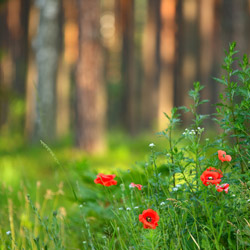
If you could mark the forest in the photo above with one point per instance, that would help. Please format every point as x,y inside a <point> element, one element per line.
<point>133,89</point>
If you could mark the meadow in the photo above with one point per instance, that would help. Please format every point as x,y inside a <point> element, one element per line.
<point>182,188</point>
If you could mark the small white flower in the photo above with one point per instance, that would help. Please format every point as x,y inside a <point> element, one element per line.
<point>136,207</point>
<point>151,145</point>
<point>175,189</point>
<point>128,208</point>
<point>233,195</point>
<point>198,128</point>
<point>178,185</point>
<point>84,242</point>
<point>248,200</point>
<point>184,133</point>
<point>162,203</point>
<point>8,232</point>
<point>80,206</point>
<point>122,187</point>
<point>120,208</point>
<point>104,237</point>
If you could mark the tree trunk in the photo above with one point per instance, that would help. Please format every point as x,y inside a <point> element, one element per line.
<point>151,62</point>
<point>91,103</point>
<point>5,65</point>
<point>46,46</point>
<point>190,52</point>
<point>166,89</point>
<point>18,13</point>
<point>207,20</point>
<point>128,64</point>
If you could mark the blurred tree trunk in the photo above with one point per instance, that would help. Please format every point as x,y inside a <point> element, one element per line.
<point>128,64</point>
<point>167,52</point>
<point>151,61</point>
<point>91,105</point>
<point>190,66</point>
<point>5,65</point>
<point>46,46</point>
<point>207,20</point>
<point>31,76</point>
<point>65,70</point>
<point>18,17</point>
<point>178,63</point>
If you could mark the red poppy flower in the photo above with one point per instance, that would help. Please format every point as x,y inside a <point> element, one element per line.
<point>222,187</point>
<point>149,218</point>
<point>139,186</point>
<point>105,179</point>
<point>223,156</point>
<point>211,176</point>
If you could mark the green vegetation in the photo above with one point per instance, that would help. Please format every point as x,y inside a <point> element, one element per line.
<point>49,199</point>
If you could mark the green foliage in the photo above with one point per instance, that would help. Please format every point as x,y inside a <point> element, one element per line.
<point>192,215</point>
<point>233,114</point>
<point>85,215</point>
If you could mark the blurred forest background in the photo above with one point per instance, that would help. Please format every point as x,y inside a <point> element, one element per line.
<point>87,67</point>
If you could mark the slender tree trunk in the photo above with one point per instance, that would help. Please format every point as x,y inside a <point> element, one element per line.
<point>5,65</point>
<point>190,52</point>
<point>31,77</point>
<point>166,89</point>
<point>207,20</point>
<point>18,12</point>
<point>91,103</point>
<point>46,46</point>
<point>178,63</point>
<point>128,64</point>
<point>151,61</point>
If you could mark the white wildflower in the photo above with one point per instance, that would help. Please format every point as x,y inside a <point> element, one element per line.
<point>162,203</point>
<point>128,208</point>
<point>120,208</point>
<point>136,207</point>
<point>175,189</point>
<point>84,242</point>
<point>233,195</point>
<point>178,185</point>
<point>8,232</point>
<point>248,200</point>
<point>151,145</point>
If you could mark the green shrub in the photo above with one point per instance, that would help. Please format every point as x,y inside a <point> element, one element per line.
<point>192,215</point>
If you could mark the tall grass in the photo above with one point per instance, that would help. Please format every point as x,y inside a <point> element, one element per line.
<point>192,215</point>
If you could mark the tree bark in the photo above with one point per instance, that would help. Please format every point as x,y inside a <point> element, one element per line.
<point>128,64</point>
<point>152,65</point>
<point>5,67</point>
<point>91,102</point>
<point>18,17</point>
<point>167,49</point>
<point>190,66</point>
<point>47,52</point>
